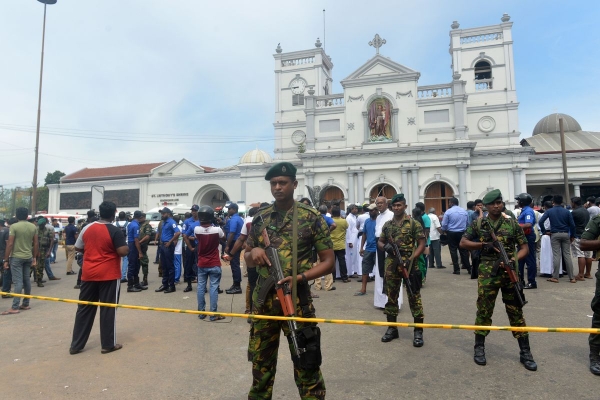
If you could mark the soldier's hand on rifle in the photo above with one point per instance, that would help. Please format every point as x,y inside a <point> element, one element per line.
<point>389,249</point>
<point>489,247</point>
<point>288,280</point>
<point>259,257</point>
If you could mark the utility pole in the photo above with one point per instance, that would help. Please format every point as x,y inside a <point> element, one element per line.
<point>564,160</point>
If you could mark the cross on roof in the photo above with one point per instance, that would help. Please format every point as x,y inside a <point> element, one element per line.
<point>377,42</point>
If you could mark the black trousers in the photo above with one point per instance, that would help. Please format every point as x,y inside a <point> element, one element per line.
<point>340,255</point>
<point>105,292</point>
<point>380,261</point>
<point>189,260</point>
<point>453,245</point>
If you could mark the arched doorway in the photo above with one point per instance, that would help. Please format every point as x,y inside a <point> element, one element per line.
<point>437,195</point>
<point>211,195</point>
<point>384,190</point>
<point>333,195</point>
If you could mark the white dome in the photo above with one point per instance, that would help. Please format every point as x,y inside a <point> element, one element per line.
<point>256,157</point>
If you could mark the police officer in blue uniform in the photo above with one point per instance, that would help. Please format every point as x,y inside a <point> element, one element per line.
<point>135,253</point>
<point>168,238</point>
<point>190,270</point>
<point>527,222</point>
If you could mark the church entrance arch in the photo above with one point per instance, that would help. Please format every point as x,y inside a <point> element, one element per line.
<point>384,190</point>
<point>437,195</point>
<point>211,195</point>
<point>333,195</point>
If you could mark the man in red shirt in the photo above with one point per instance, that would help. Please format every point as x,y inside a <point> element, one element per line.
<point>209,262</point>
<point>102,245</point>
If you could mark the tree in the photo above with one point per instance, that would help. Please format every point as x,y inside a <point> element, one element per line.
<point>53,177</point>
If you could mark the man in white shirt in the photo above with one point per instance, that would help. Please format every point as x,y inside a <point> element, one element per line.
<point>435,248</point>
<point>351,243</point>
<point>384,216</point>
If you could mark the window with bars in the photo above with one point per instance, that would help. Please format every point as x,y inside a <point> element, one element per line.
<point>297,100</point>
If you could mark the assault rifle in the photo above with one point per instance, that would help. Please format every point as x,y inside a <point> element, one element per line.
<point>284,292</point>
<point>506,264</point>
<point>403,266</point>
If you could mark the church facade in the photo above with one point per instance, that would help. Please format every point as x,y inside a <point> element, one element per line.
<point>382,135</point>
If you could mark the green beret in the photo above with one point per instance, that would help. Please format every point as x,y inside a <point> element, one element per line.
<point>492,196</point>
<point>281,169</point>
<point>398,197</point>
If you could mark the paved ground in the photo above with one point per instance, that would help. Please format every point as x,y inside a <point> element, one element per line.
<point>178,356</point>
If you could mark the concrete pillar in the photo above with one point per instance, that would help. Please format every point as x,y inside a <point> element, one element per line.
<point>360,187</point>
<point>310,178</point>
<point>462,184</point>
<point>351,197</point>
<point>310,106</point>
<point>414,190</point>
<point>243,192</point>
<point>517,180</point>
<point>576,191</point>
<point>404,182</point>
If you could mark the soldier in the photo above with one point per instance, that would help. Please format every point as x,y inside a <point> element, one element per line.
<point>46,241</point>
<point>590,241</point>
<point>280,220</point>
<point>145,234</point>
<point>410,239</point>
<point>511,235</point>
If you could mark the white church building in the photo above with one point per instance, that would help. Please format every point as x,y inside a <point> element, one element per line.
<point>382,135</point>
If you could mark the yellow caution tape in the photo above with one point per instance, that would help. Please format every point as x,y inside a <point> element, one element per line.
<point>539,329</point>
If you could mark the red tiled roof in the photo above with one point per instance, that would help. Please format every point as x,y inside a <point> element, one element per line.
<point>119,171</point>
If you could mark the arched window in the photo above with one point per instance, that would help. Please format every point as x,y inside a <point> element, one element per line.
<point>483,75</point>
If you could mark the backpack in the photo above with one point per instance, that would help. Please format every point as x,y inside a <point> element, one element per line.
<point>122,228</point>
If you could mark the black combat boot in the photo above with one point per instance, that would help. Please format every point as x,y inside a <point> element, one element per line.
<point>145,281</point>
<point>479,356</point>
<point>595,360</point>
<point>526,357</point>
<point>189,286</point>
<point>418,334</point>
<point>392,331</point>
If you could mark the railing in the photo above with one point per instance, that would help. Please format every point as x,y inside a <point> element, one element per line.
<point>481,38</point>
<point>434,92</point>
<point>297,61</point>
<point>333,100</point>
<point>483,84</point>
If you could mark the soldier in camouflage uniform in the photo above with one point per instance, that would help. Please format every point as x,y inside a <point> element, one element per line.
<point>590,241</point>
<point>145,235</point>
<point>511,235</point>
<point>278,220</point>
<point>45,243</point>
<point>410,239</point>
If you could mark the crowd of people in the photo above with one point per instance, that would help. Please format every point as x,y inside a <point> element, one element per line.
<point>380,242</point>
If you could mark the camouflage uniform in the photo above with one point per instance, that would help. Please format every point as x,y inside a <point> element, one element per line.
<point>406,236</point>
<point>592,232</point>
<point>264,335</point>
<point>145,230</point>
<point>511,235</point>
<point>45,237</point>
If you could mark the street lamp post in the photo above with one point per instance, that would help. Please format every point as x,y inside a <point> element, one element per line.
<point>37,130</point>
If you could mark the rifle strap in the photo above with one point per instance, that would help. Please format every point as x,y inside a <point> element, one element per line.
<point>295,254</point>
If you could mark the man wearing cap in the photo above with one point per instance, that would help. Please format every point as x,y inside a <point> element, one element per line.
<point>368,247</point>
<point>190,269</point>
<point>168,238</point>
<point>408,235</point>
<point>144,237</point>
<point>490,282</point>
<point>280,221</point>
<point>234,228</point>
<point>46,242</point>
<point>590,241</point>
<point>135,254</point>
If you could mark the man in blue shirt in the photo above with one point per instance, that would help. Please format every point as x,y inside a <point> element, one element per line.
<point>235,224</point>
<point>135,253</point>
<point>190,269</point>
<point>368,247</point>
<point>168,238</point>
<point>527,222</point>
<point>454,224</point>
<point>562,229</point>
<point>70,239</point>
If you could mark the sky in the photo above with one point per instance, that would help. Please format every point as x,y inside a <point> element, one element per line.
<point>134,81</point>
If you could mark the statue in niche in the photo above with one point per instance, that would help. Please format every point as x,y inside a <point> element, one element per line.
<point>380,117</point>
